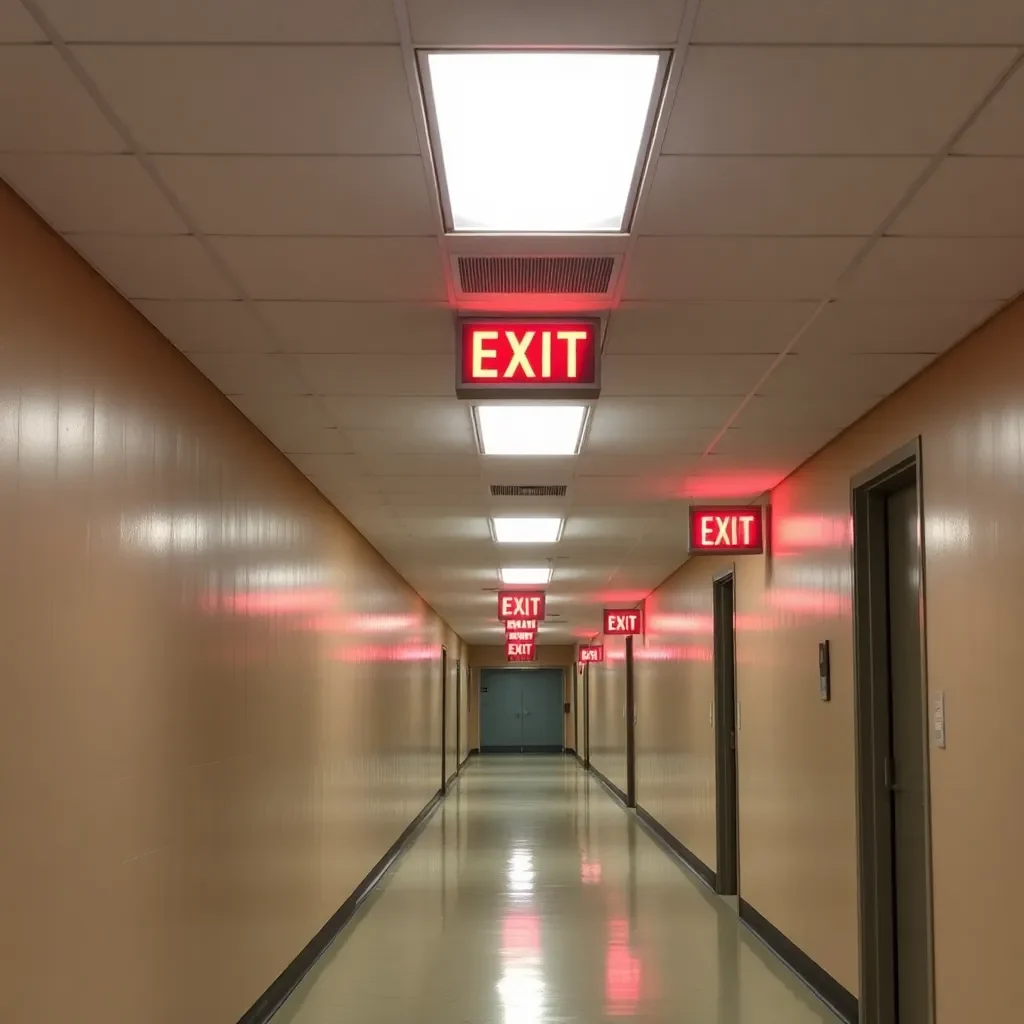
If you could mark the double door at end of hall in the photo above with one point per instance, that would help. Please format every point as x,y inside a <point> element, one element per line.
<point>521,710</point>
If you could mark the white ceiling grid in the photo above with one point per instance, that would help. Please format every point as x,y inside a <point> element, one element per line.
<point>832,201</point>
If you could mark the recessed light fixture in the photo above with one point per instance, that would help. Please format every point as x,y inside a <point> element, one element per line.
<point>530,429</point>
<point>526,529</point>
<point>526,576</point>
<point>541,141</point>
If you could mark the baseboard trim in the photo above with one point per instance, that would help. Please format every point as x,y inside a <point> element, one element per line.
<point>286,982</point>
<point>676,850</point>
<point>610,786</point>
<point>816,978</point>
<point>582,763</point>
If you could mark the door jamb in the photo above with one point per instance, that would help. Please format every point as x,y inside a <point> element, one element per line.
<point>444,716</point>
<point>868,491</point>
<point>723,879</point>
<point>630,726</point>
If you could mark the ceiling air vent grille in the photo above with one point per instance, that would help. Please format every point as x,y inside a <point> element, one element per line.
<point>536,275</point>
<point>528,490</point>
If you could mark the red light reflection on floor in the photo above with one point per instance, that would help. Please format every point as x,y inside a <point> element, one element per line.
<point>520,933</point>
<point>622,972</point>
<point>590,871</point>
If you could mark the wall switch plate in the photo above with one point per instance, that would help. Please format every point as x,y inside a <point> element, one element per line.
<point>939,720</point>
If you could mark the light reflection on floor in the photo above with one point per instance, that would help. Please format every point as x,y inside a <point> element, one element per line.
<point>531,897</point>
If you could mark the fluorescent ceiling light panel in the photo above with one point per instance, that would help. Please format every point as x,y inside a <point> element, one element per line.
<point>531,530</point>
<point>542,142</point>
<point>525,577</point>
<point>539,429</point>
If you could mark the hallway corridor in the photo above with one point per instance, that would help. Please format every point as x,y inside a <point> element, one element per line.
<point>532,897</point>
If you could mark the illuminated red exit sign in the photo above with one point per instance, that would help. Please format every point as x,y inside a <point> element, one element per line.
<point>528,358</point>
<point>623,622</point>
<point>530,625</point>
<point>520,635</point>
<point>592,654</point>
<point>520,604</point>
<point>729,530</point>
<point>520,651</point>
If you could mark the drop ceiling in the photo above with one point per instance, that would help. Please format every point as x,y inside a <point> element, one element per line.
<point>833,199</point>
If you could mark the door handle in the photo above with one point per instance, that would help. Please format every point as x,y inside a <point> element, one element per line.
<point>525,713</point>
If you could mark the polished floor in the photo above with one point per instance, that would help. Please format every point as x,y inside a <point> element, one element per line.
<point>531,897</point>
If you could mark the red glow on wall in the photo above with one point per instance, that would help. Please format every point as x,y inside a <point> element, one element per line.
<point>734,530</point>
<point>728,485</point>
<point>591,654</point>
<point>623,621</point>
<point>514,356</point>
<point>270,602</point>
<point>520,604</point>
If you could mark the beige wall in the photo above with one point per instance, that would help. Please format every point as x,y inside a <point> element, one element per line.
<point>220,706</point>
<point>492,656</point>
<point>607,712</point>
<point>796,754</point>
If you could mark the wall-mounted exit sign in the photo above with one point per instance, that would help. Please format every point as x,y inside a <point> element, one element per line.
<point>727,530</point>
<point>520,604</point>
<point>528,358</point>
<point>591,654</point>
<point>623,622</point>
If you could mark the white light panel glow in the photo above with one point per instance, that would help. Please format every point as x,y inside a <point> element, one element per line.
<point>541,142</point>
<point>524,576</point>
<point>531,429</point>
<point>526,530</point>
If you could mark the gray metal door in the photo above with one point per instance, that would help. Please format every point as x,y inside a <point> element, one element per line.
<point>907,775</point>
<point>501,707</point>
<point>542,707</point>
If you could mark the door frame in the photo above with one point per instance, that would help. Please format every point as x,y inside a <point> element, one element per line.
<point>576,709</point>
<point>444,716</point>
<point>630,726</point>
<point>868,493</point>
<point>586,716</point>
<point>458,712</point>
<point>727,847</point>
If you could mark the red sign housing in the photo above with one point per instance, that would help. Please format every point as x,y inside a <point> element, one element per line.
<point>520,636</point>
<point>517,358</point>
<point>623,622</point>
<point>526,651</point>
<point>520,604</point>
<point>527,624</point>
<point>591,654</point>
<point>727,530</point>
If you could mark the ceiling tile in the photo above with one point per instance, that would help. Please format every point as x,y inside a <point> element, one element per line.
<point>43,108</point>
<point>411,415</point>
<point>635,464</point>
<point>999,129</point>
<point>705,327</point>
<point>299,413</point>
<point>543,23</point>
<point>940,269</point>
<point>302,195</point>
<point>617,490</point>
<point>323,441</point>
<point>447,487</point>
<point>867,21</point>
<point>155,266</point>
<point>378,375</point>
<point>968,196</point>
<point>205,326</point>
<point>678,374</point>
<point>249,374</point>
<point>224,21</point>
<point>331,467</point>
<point>17,25</point>
<point>393,464</point>
<point>832,374</point>
<point>849,325</point>
<point>336,269</point>
<point>775,195</point>
<point>828,100</point>
<point>91,192</point>
<point>716,269</point>
<point>258,99</point>
<point>360,327</point>
<point>820,412</point>
<point>452,438</point>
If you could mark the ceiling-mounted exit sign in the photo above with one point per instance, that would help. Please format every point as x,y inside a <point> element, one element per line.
<point>520,604</point>
<point>525,651</point>
<point>727,530</point>
<point>591,654</point>
<point>623,622</point>
<point>528,358</point>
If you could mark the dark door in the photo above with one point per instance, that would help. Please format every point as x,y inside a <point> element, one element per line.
<point>906,773</point>
<point>501,706</point>
<point>542,707</point>
<point>458,712</point>
<point>630,727</point>
<point>444,716</point>
<point>726,797</point>
<point>586,716</point>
